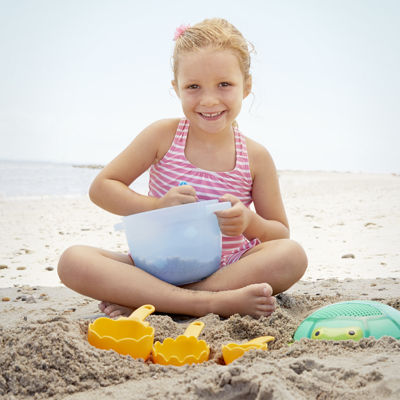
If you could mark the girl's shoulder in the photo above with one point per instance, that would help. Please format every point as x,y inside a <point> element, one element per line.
<point>259,157</point>
<point>163,128</point>
<point>162,133</point>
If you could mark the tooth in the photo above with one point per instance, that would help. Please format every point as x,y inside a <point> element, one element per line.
<point>211,115</point>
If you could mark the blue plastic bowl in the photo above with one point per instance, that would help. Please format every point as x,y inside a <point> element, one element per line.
<point>179,244</point>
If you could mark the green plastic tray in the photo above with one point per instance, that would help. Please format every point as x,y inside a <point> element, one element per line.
<point>351,320</point>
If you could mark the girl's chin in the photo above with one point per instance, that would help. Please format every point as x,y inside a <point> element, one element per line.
<point>212,129</point>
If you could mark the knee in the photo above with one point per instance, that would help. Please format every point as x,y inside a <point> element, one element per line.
<point>68,264</point>
<point>297,258</point>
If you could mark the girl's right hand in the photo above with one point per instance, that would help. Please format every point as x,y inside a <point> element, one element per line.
<point>178,195</point>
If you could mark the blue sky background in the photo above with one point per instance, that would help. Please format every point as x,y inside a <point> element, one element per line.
<point>80,78</point>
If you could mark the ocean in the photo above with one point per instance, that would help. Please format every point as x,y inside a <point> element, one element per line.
<point>50,179</point>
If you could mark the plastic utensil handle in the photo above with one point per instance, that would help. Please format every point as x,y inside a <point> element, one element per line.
<point>261,340</point>
<point>194,329</point>
<point>142,312</point>
<point>218,206</point>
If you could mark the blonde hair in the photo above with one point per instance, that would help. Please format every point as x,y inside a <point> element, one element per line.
<point>216,33</point>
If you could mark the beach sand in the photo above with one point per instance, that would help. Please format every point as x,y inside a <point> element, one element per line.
<point>349,225</point>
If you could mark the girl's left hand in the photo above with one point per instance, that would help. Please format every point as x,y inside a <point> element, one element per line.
<point>235,220</point>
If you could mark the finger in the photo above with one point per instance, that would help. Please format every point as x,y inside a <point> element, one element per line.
<point>231,229</point>
<point>186,189</point>
<point>229,197</point>
<point>176,199</point>
<point>230,222</point>
<point>233,212</point>
<point>227,222</point>
<point>187,200</point>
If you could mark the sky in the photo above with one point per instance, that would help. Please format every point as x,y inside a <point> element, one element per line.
<point>79,79</point>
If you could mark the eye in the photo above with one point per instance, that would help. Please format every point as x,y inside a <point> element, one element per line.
<point>317,333</point>
<point>194,86</point>
<point>352,333</point>
<point>224,84</point>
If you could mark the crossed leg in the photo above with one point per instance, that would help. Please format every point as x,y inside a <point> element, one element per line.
<point>281,263</point>
<point>239,288</point>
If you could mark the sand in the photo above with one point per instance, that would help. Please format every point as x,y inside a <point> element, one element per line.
<point>349,225</point>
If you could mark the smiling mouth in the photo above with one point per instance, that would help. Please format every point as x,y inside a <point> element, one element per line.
<point>211,116</point>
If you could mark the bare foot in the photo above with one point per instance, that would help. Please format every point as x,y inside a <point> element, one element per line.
<point>255,300</point>
<point>114,310</point>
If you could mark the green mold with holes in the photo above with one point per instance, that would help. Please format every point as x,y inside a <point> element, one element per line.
<point>354,320</point>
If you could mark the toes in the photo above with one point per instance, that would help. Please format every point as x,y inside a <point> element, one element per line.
<point>264,313</point>
<point>103,305</point>
<point>267,290</point>
<point>114,310</point>
<point>266,308</point>
<point>271,301</point>
<point>115,313</point>
<point>126,312</point>
<point>261,289</point>
<point>267,301</point>
<point>110,309</point>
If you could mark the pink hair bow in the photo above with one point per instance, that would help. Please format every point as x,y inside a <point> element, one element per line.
<point>180,30</point>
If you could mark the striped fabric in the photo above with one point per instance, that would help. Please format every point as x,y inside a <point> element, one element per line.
<point>174,168</point>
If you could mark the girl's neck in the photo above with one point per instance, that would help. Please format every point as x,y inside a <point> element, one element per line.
<point>211,138</point>
<point>212,152</point>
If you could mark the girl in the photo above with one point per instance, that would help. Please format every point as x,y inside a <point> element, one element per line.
<point>211,63</point>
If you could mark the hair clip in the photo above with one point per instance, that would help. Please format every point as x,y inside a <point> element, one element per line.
<point>180,30</point>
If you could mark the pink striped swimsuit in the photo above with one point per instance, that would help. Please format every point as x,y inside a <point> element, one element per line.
<point>174,168</point>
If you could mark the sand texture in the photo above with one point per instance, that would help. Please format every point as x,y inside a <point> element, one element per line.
<point>349,225</point>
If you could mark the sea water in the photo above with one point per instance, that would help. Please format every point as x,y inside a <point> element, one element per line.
<point>19,178</point>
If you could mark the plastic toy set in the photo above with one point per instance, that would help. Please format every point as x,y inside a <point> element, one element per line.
<point>133,336</point>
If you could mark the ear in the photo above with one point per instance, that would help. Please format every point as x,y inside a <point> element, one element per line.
<point>175,86</point>
<point>247,86</point>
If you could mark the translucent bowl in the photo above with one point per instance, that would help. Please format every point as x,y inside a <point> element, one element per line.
<point>179,244</point>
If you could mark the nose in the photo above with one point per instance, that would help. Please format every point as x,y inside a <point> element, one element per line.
<point>209,99</point>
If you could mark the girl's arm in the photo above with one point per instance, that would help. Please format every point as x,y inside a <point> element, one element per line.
<point>269,222</point>
<point>110,189</point>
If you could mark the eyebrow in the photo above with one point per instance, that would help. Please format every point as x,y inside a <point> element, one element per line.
<point>220,79</point>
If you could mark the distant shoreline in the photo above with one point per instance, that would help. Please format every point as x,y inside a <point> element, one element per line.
<point>90,166</point>
<point>54,163</point>
<point>96,166</point>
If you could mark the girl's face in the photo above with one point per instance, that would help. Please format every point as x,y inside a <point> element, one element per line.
<point>211,87</point>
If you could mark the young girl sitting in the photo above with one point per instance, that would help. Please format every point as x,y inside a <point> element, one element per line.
<point>211,64</point>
